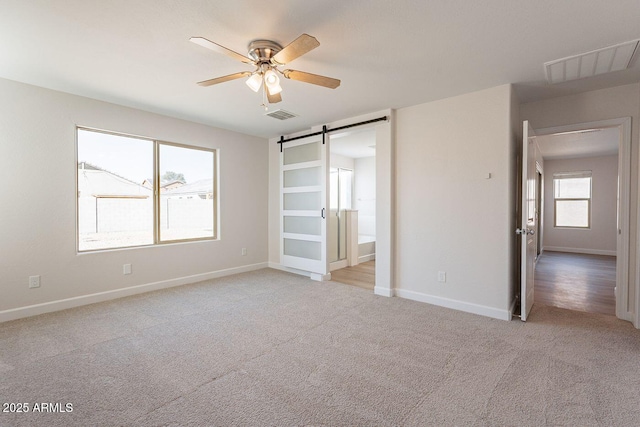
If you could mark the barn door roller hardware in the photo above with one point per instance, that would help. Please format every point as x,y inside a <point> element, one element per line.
<point>324,130</point>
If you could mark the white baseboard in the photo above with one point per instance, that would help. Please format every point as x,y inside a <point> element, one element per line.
<point>48,307</point>
<point>385,292</point>
<point>365,258</point>
<point>455,304</point>
<point>337,265</point>
<point>580,251</point>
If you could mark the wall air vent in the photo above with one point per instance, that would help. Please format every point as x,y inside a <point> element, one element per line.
<point>606,60</point>
<point>281,114</point>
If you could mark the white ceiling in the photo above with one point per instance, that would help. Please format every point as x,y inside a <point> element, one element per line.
<point>603,142</point>
<point>388,54</point>
<point>354,143</point>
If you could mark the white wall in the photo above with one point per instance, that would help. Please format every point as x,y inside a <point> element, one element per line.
<point>603,104</point>
<point>38,231</point>
<point>449,216</point>
<point>365,194</point>
<point>601,238</point>
<point>338,161</point>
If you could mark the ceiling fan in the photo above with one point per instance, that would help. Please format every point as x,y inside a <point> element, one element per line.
<point>267,56</point>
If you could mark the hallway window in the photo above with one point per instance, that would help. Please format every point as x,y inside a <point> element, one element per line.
<point>572,199</point>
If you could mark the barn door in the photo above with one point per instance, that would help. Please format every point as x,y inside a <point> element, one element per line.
<point>304,205</point>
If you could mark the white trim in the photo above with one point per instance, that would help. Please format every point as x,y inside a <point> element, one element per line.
<point>302,165</point>
<point>301,263</point>
<point>385,292</point>
<point>337,265</point>
<point>385,195</point>
<point>302,141</point>
<point>316,213</point>
<point>305,237</point>
<point>623,261</point>
<point>307,189</point>
<point>580,251</point>
<point>541,221</point>
<point>48,307</point>
<point>482,310</point>
<point>352,237</point>
<point>365,258</point>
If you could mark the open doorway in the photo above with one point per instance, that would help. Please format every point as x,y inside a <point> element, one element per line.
<point>579,260</point>
<point>352,214</point>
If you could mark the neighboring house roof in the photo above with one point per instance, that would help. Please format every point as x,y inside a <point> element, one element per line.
<point>203,186</point>
<point>96,182</point>
<point>163,184</point>
<point>171,184</point>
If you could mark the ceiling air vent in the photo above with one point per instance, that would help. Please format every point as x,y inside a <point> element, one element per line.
<point>608,59</point>
<point>281,114</point>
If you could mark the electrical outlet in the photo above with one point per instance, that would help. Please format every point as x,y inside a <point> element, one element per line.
<point>34,281</point>
<point>244,251</point>
<point>126,269</point>
<point>442,276</point>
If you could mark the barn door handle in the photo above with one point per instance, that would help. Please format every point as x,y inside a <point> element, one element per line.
<point>322,213</point>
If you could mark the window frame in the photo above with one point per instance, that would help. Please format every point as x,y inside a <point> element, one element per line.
<point>572,175</point>
<point>156,194</point>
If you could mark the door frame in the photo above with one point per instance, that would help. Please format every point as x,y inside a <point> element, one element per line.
<point>623,286</point>
<point>339,263</point>
<point>385,198</point>
<point>539,208</point>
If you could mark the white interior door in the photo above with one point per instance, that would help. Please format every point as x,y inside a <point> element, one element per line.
<point>527,228</point>
<point>304,203</point>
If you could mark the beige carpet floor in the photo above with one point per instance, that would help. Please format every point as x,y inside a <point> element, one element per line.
<point>271,348</point>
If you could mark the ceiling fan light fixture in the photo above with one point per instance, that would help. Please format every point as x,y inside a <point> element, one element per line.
<point>254,82</point>
<point>274,89</point>
<point>272,82</point>
<point>271,78</point>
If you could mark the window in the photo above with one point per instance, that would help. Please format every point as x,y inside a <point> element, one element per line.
<point>572,199</point>
<point>135,191</point>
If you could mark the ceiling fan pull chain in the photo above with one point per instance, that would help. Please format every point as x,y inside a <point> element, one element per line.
<point>264,98</point>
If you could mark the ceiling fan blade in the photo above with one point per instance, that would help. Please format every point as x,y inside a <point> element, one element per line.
<point>220,49</point>
<point>273,99</point>
<point>295,49</point>
<point>224,78</point>
<point>315,79</point>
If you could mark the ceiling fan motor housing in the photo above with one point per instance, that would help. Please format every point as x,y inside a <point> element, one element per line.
<point>262,51</point>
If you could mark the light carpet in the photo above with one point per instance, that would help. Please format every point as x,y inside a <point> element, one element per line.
<point>272,348</point>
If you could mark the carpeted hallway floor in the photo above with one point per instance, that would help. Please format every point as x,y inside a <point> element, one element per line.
<point>271,348</point>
